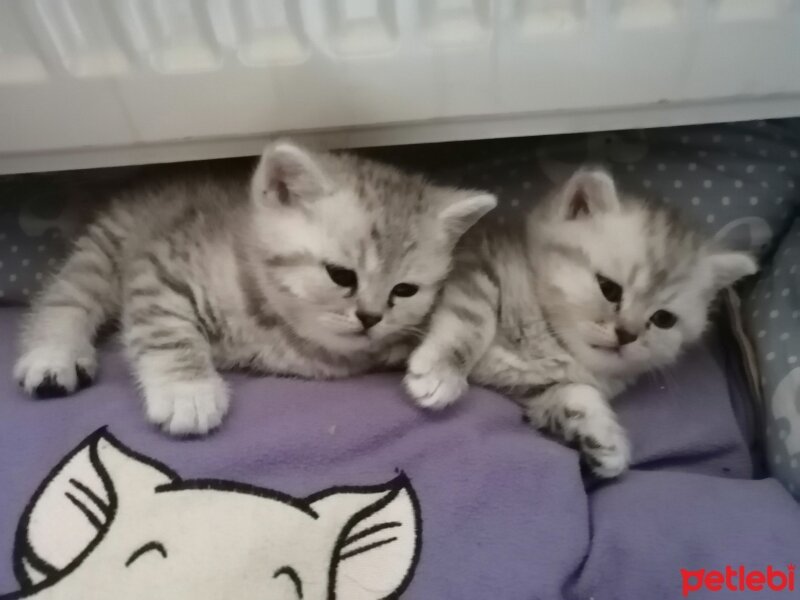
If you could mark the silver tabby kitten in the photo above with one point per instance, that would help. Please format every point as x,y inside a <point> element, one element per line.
<point>324,266</point>
<point>591,291</point>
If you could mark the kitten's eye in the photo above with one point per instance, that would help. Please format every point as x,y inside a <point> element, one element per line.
<point>291,574</point>
<point>611,289</point>
<point>148,547</point>
<point>405,290</point>
<point>341,276</point>
<point>663,319</point>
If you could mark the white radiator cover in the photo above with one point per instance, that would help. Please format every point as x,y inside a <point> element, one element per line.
<point>86,83</point>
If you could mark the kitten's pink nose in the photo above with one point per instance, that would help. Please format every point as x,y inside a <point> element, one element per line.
<point>367,319</point>
<point>625,337</point>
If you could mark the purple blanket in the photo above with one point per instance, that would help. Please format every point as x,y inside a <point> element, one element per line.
<point>501,511</point>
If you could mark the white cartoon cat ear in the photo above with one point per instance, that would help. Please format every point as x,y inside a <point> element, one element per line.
<point>380,540</point>
<point>287,174</point>
<point>463,208</point>
<point>588,192</point>
<point>727,267</point>
<point>74,506</point>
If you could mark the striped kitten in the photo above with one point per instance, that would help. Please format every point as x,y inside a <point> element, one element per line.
<point>325,266</point>
<point>591,291</point>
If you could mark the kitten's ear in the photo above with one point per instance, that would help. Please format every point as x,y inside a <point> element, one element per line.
<point>725,268</point>
<point>76,504</point>
<point>461,209</point>
<point>379,541</point>
<point>287,174</point>
<point>588,192</point>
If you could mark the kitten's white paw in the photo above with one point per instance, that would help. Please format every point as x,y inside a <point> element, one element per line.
<point>55,370</point>
<point>580,415</point>
<point>187,407</point>
<point>605,447</point>
<point>436,388</point>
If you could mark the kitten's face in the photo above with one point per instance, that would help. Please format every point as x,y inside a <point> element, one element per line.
<point>626,286</point>
<point>357,251</point>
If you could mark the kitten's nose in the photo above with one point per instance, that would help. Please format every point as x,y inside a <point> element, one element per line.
<point>625,337</point>
<point>368,319</point>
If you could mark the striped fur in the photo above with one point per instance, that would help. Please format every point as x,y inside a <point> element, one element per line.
<point>524,311</point>
<point>206,274</point>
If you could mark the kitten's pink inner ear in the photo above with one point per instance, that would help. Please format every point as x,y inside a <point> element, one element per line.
<point>578,205</point>
<point>278,183</point>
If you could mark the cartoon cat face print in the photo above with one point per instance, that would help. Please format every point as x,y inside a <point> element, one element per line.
<point>108,523</point>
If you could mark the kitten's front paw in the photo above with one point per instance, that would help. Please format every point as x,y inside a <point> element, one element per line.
<point>605,448</point>
<point>56,370</point>
<point>187,407</point>
<point>435,388</point>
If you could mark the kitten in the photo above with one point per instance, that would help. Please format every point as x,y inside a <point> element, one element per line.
<point>590,291</point>
<point>325,266</point>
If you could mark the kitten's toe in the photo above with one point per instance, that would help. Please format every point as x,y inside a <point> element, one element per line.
<point>187,407</point>
<point>435,389</point>
<point>55,371</point>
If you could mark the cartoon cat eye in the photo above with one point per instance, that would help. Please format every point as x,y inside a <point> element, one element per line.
<point>342,276</point>
<point>291,574</point>
<point>148,547</point>
<point>610,289</point>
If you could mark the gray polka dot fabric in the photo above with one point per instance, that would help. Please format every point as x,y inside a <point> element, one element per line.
<point>772,314</point>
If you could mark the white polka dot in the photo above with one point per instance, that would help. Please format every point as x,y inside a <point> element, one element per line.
<point>785,292</point>
<point>678,184</point>
<point>513,171</point>
<point>778,459</point>
<point>631,167</point>
<point>762,153</point>
<point>647,183</point>
<point>1,264</point>
<point>695,200</point>
<point>662,167</point>
<point>753,200</point>
<point>685,139</point>
<point>12,278</point>
<point>710,218</point>
<point>781,168</point>
<point>526,185</point>
<point>692,166</point>
<point>726,201</point>
<point>795,314</point>
<point>667,199</point>
<point>755,313</point>
<point>770,356</point>
<point>702,153</point>
<point>774,314</point>
<point>768,295</point>
<point>40,248</point>
<point>748,138</point>
<point>26,262</point>
<point>515,202</point>
<point>793,153</point>
<point>38,277</point>
<point>737,183</point>
<point>779,200</point>
<point>790,185</point>
<point>717,139</point>
<point>793,269</point>
<point>721,168</point>
<point>51,261</point>
<point>792,359</point>
<point>784,337</point>
<point>501,220</point>
<point>776,271</point>
<point>14,248</point>
<point>762,333</point>
<point>750,168</point>
<point>26,292</point>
